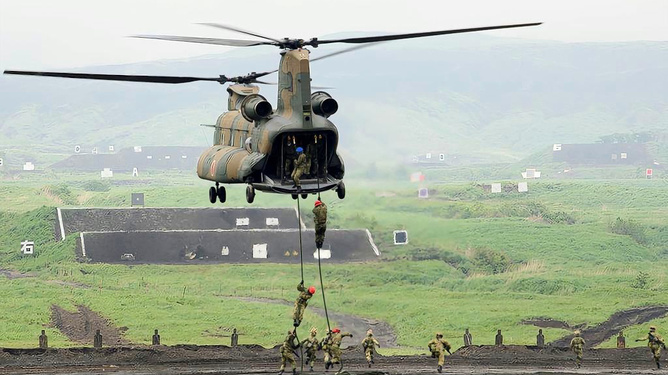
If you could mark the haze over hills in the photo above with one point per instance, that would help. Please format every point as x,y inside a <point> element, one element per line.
<point>481,97</point>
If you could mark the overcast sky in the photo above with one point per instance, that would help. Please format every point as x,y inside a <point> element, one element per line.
<point>48,34</point>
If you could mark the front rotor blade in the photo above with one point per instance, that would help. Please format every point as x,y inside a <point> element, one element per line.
<point>116,77</point>
<point>216,41</point>
<point>385,38</point>
<point>230,28</point>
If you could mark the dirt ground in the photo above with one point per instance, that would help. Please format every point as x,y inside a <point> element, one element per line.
<point>120,357</point>
<point>80,326</point>
<point>249,359</point>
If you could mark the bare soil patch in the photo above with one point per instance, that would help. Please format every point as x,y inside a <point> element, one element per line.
<point>80,326</point>
<point>617,322</point>
<point>11,274</point>
<point>550,323</point>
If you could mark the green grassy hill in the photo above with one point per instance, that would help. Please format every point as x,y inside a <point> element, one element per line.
<point>482,98</point>
<point>572,251</point>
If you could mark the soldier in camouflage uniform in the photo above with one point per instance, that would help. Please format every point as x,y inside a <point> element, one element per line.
<point>655,343</point>
<point>335,347</point>
<point>320,219</point>
<point>290,154</point>
<point>287,351</point>
<point>310,158</point>
<point>369,344</point>
<point>577,345</point>
<point>438,347</point>
<point>301,302</point>
<point>311,346</point>
<point>326,346</point>
<point>300,168</point>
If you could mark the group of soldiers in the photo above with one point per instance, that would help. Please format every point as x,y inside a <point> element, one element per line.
<point>299,161</point>
<point>330,345</point>
<point>654,342</point>
<point>438,346</point>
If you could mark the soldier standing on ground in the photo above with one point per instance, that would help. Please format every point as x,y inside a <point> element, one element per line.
<point>369,344</point>
<point>655,343</point>
<point>320,219</point>
<point>311,346</point>
<point>438,347</point>
<point>335,347</point>
<point>301,303</point>
<point>289,345</point>
<point>577,345</point>
<point>300,168</point>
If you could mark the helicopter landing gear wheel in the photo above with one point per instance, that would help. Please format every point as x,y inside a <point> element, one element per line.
<point>304,196</point>
<point>212,194</point>
<point>295,196</point>
<point>222,194</point>
<point>250,194</point>
<point>341,190</point>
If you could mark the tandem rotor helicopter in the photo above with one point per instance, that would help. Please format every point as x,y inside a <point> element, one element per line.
<point>255,144</point>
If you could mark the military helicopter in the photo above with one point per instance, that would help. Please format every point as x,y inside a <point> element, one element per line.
<point>254,143</point>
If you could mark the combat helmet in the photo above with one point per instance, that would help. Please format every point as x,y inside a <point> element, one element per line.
<point>314,331</point>
<point>577,332</point>
<point>369,332</point>
<point>439,334</point>
<point>652,328</point>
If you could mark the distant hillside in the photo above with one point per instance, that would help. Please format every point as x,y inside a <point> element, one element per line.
<point>491,99</point>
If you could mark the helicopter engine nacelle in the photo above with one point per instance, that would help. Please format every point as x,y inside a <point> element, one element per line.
<point>323,104</point>
<point>255,107</point>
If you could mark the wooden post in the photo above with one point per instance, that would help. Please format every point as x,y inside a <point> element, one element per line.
<point>498,341</point>
<point>156,338</point>
<point>43,341</point>
<point>97,340</point>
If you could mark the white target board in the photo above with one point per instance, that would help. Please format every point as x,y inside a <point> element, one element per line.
<point>324,254</point>
<point>260,251</point>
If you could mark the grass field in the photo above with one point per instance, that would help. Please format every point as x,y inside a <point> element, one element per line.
<point>575,251</point>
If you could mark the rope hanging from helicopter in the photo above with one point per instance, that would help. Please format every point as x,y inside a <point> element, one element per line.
<point>322,284</point>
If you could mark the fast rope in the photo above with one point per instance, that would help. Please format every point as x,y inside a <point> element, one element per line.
<point>301,261</point>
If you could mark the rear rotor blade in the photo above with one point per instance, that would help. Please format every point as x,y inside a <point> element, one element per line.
<point>385,38</point>
<point>346,50</point>
<point>215,41</point>
<point>230,28</point>
<point>117,77</point>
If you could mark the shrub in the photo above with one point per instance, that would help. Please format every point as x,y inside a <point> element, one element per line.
<point>490,261</point>
<point>629,228</point>
<point>641,281</point>
<point>99,186</point>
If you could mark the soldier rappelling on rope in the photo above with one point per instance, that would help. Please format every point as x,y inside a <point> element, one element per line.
<point>301,302</point>
<point>320,219</point>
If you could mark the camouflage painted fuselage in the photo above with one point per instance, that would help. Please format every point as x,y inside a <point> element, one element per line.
<point>251,150</point>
